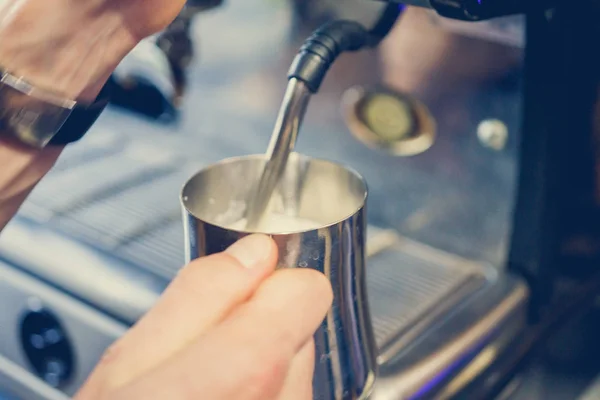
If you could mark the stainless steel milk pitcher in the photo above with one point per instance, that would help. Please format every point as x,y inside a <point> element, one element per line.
<point>332,196</point>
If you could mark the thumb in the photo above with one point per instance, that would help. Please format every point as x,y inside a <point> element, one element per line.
<point>200,297</point>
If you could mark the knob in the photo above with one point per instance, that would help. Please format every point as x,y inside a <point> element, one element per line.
<point>47,347</point>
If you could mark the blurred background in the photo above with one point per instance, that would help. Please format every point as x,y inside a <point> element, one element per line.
<point>101,236</point>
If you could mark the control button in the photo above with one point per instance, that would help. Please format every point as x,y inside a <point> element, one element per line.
<point>46,347</point>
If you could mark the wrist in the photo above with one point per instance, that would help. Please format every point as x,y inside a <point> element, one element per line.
<point>22,169</point>
<point>69,48</point>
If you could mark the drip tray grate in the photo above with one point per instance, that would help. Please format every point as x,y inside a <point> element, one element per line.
<point>408,282</point>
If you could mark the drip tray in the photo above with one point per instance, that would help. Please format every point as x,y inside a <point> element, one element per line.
<point>435,315</point>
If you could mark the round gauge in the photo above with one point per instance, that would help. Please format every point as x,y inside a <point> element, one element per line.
<point>387,116</point>
<point>388,120</point>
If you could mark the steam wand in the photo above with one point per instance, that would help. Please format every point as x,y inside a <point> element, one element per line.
<point>305,76</point>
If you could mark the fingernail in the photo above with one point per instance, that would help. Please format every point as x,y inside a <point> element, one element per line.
<point>251,250</point>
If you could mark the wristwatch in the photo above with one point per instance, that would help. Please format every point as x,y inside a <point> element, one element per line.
<point>37,118</point>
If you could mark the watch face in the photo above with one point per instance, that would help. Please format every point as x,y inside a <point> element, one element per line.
<point>29,115</point>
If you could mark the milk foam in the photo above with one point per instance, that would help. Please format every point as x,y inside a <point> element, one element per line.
<point>278,223</point>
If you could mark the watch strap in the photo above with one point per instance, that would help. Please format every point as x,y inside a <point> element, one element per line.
<point>81,119</point>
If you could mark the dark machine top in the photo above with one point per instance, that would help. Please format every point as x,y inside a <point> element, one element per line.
<point>472,10</point>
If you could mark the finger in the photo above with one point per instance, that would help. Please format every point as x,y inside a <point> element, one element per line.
<point>199,297</point>
<point>298,384</point>
<point>246,357</point>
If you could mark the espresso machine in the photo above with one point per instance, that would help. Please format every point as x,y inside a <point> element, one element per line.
<point>152,80</point>
<point>473,122</point>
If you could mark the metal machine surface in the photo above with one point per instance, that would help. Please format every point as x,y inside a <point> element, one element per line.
<point>456,301</point>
